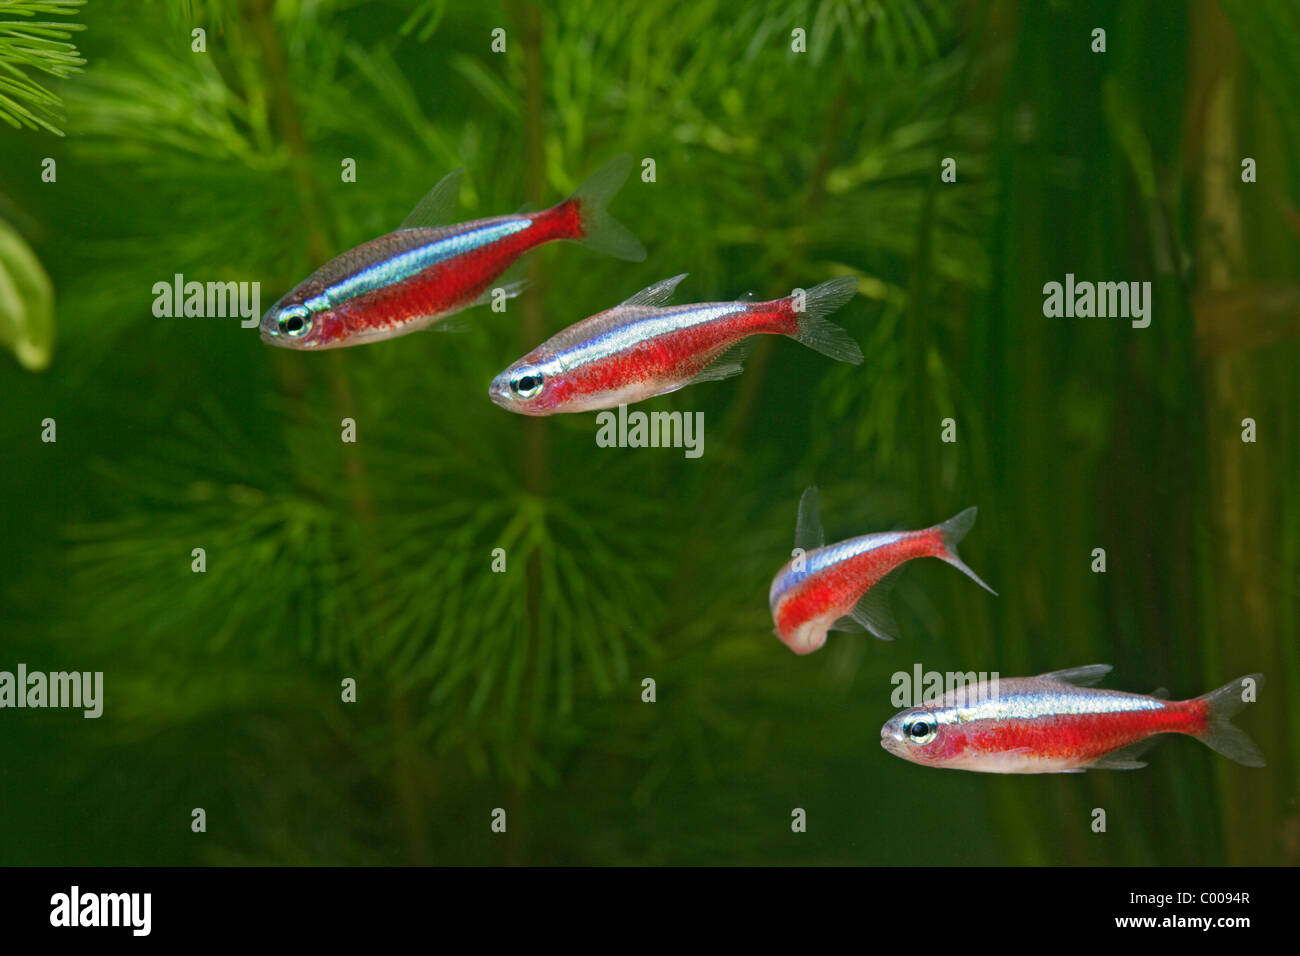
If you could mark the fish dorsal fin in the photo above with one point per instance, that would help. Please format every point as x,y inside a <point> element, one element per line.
<point>436,207</point>
<point>873,611</point>
<point>750,296</point>
<point>656,294</point>
<point>1125,758</point>
<point>726,365</point>
<point>808,532</point>
<point>527,209</point>
<point>1161,693</point>
<point>1079,676</point>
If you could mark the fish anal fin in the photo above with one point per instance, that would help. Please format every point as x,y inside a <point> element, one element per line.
<point>873,611</point>
<point>728,364</point>
<point>1125,758</point>
<point>455,324</point>
<point>717,372</point>
<point>507,290</point>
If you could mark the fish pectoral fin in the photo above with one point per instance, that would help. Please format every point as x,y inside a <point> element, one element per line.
<point>436,207</point>
<point>808,532</point>
<point>726,365</point>
<point>848,626</point>
<point>1125,758</point>
<point>1084,676</point>
<point>656,294</point>
<point>873,611</point>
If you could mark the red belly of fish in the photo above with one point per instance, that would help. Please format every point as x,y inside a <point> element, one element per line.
<point>1077,737</point>
<point>839,587</point>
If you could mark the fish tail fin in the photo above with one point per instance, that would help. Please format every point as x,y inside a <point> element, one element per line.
<point>950,533</point>
<point>1220,732</point>
<point>814,331</point>
<point>600,230</point>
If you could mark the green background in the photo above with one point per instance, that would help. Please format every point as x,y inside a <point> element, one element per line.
<point>523,690</point>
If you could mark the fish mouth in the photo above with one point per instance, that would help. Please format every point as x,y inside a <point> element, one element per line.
<point>890,741</point>
<point>270,331</point>
<point>499,392</point>
<point>806,637</point>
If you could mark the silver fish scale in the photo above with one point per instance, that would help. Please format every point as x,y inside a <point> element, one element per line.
<point>1013,703</point>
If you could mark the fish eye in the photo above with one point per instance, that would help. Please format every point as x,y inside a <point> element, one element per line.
<point>526,382</point>
<point>295,321</point>
<point>920,729</point>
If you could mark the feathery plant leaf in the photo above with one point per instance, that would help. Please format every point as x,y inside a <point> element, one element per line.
<point>381,573</point>
<point>328,561</point>
<point>31,45</point>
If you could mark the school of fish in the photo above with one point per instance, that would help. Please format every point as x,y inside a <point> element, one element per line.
<point>427,270</point>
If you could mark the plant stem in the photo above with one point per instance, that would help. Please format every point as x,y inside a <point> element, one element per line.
<point>409,761</point>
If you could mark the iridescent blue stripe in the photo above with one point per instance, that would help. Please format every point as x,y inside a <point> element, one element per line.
<point>1035,705</point>
<point>406,264</point>
<point>823,558</point>
<point>624,337</point>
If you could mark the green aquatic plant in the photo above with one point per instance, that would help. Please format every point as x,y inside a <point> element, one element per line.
<point>26,302</point>
<point>29,45</point>
<point>525,688</point>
